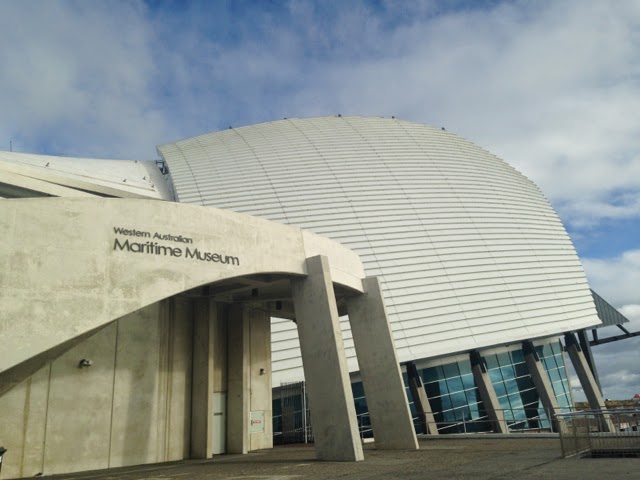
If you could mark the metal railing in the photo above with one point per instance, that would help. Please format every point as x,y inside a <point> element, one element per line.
<point>515,420</point>
<point>607,433</point>
<point>294,426</point>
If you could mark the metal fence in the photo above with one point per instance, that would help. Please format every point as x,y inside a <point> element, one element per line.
<point>608,433</point>
<point>293,425</point>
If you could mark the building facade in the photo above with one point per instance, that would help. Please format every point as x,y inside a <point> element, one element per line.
<point>471,256</point>
<point>164,348</point>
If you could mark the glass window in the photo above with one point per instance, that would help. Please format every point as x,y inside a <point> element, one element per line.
<point>458,399</point>
<point>499,388</point>
<point>455,384</point>
<point>511,386</point>
<point>358,389</point>
<point>472,396</point>
<point>465,367</point>
<point>446,402</point>
<point>519,415</point>
<point>451,370</point>
<point>495,376</point>
<point>554,375</point>
<point>468,381</point>
<point>492,361</point>
<point>504,359</point>
<point>433,390</point>
<point>515,400</point>
<point>521,369</point>
<point>508,372</point>
<point>517,356</point>
<point>432,374</point>
<point>436,405</point>
<point>449,416</point>
<point>530,396</point>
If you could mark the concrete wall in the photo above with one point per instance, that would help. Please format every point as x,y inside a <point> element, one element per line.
<point>260,404</point>
<point>249,425</point>
<point>131,406</point>
<point>93,260</point>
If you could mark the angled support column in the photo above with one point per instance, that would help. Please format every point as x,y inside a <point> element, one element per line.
<point>380,371</point>
<point>585,346</point>
<point>421,401</point>
<point>542,383</point>
<point>587,379</point>
<point>333,413</point>
<point>487,393</point>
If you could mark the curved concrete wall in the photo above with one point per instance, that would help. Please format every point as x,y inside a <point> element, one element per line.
<point>69,266</point>
<point>469,252</point>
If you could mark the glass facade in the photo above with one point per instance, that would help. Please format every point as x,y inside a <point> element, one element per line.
<point>456,403</point>
<point>515,390</point>
<point>552,357</point>
<point>454,397</point>
<point>362,411</point>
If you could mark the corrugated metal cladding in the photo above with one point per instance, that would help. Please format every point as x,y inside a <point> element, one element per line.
<point>609,315</point>
<point>469,251</point>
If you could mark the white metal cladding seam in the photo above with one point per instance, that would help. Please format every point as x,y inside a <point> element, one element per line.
<point>469,251</point>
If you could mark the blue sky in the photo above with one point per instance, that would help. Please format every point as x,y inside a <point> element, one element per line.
<point>552,87</point>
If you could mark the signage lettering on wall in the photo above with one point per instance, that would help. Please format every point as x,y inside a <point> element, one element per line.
<point>155,248</point>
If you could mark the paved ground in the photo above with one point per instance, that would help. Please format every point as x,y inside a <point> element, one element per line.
<point>484,458</point>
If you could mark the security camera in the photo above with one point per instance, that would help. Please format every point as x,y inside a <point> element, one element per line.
<point>85,363</point>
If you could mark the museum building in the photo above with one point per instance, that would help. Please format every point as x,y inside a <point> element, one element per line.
<point>148,312</point>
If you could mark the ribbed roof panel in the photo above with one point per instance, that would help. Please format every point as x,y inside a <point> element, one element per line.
<point>469,251</point>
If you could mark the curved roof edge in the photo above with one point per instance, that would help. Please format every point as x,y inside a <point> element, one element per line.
<point>30,175</point>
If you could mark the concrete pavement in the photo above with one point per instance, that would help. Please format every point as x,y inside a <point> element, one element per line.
<point>517,457</point>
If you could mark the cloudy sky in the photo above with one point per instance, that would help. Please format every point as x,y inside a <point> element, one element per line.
<point>553,87</point>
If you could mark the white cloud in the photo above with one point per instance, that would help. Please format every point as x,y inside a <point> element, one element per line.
<point>77,78</point>
<point>553,88</point>
<point>616,279</point>
<point>618,363</point>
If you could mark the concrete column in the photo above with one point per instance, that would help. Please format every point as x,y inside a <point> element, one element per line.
<point>380,370</point>
<point>421,401</point>
<point>333,413</point>
<point>238,381</point>
<point>487,393</point>
<point>587,380</point>
<point>542,383</point>
<point>202,379</point>
<point>586,350</point>
<point>261,407</point>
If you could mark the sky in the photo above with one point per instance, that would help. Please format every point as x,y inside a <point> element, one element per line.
<point>552,87</point>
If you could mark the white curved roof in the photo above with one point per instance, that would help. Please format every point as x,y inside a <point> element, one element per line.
<point>469,251</point>
<point>28,175</point>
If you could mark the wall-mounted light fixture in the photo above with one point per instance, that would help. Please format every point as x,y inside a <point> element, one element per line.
<point>85,363</point>
<point>262,371</point>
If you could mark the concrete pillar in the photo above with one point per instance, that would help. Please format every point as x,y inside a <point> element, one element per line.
<point>333,413</point>
<point>261,407</point>
<point>587,380</point>
<point>421,401</point>
<point>586,350</point>
<point>238,380</point>
<point>380,370</point>
<point>542,383</point>
<point>487,393</point>
<point>202,379</point>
